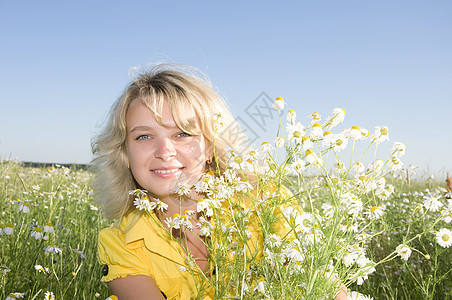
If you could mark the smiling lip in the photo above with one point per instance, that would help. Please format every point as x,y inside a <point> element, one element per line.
<point>167,172</point>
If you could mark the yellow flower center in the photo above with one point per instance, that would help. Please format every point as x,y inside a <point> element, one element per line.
<point>37,229</point>
<point>316,125</point>
<point>305,138</point>
<point>238,159</point>
<point>309,151</point>
<point>297,134</point>
<point>374,208</point>
<point>445,237</point>
<point>384,131</point>
<point>326,133</point>
<point>356,127</point>
<point>280,99</point>
<point>339,142</point>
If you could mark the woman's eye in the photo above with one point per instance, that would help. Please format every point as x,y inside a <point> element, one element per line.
<point>183,134</point>
<point>143,137</point>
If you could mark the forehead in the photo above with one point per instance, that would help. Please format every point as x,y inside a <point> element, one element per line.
<point>139,112</point>
<point>164,113</point>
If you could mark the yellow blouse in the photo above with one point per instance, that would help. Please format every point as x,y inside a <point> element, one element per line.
<point>148,249</point>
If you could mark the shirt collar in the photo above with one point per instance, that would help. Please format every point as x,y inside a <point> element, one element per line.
<point>138,225</point>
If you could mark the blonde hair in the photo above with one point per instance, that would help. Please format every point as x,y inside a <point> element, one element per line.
<point>194,105</point>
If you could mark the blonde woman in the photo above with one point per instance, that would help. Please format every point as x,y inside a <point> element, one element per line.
<point>160,135</point>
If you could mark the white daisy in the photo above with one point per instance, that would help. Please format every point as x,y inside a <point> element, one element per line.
<point>328,210</point>
<point>311,157</point>
<point>395,164</point>
<point>355,132</point>
<point>278,104</point>
<point>52,249</point>
<point>144,204</point>
<point>170,223</point>
<point>359,167</point>
<point>316,131</point>
<point>182,190</point>
<point>37,233</point>
<point>48,228</point>
<point>13,296</point>
<point>295,132</point>
<point>398,149</point>
<point>41,269</point>
<point>297,166</point>
<point>432,203</point>
<point>403,251</point>
<point>49,296</point>
<point>182,268</point>
<point>357,296</point>
<point>279,141</point>
<point>315,116</point>
<point>218,122</point>
<point>160,205</point>
<point>336,117</point>
<point>380,134</point>
<point>23,207</point>
<point>304,222</point>
<point>266,147</point>
<point>260,286</point>
<point>9,229</point>
<point>79,253</point>
<point>340,142</point>
<point>444,237</point>
<point>375,212</point>
<point>306,143</point>
<point>328,138</point>
<point>291,115</point>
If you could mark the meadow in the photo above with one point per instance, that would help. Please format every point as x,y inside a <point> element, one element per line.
<point>370,228</point>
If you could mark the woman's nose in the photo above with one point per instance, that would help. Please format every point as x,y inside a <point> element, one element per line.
<point>165,149</point>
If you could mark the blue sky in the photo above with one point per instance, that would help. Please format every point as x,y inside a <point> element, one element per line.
<point>389,63</point>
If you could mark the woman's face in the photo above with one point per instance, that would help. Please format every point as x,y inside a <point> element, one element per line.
<point>162,158</point>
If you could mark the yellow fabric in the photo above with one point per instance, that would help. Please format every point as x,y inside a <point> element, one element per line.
<point>148,249</point>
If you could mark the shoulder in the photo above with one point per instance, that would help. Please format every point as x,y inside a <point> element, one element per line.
<point>130,229</point>
<point>122,257</point>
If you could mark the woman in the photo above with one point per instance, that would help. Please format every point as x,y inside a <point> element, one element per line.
<point>161,135</point>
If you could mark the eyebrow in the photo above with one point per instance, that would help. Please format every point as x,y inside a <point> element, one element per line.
<point>141,128</point>
<point>147,128</point>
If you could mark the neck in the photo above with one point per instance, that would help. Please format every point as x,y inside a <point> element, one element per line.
<point>178,204</point>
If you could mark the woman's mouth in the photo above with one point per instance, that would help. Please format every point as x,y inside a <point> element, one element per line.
<point>166,171</point>
<point>169,172</point>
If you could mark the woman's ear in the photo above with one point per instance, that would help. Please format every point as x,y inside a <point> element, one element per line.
<point>209,153</point>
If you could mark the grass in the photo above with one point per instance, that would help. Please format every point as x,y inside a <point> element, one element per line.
<point>62,197</point>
